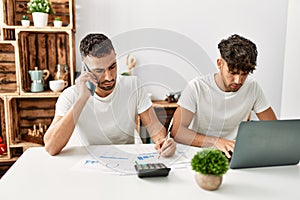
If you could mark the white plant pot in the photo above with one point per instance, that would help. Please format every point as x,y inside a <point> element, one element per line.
<point>57,23</point>
<point>40,19</point>
<point>25,22</point>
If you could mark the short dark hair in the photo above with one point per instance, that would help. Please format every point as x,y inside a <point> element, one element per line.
<point>239,53</point>
<point>96,45</point>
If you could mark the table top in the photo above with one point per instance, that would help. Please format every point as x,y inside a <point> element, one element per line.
<point>37,175</point>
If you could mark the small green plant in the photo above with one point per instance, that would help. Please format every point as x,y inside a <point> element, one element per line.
<point>125,74</point>
<point>57,19</point>
<point>39,6</point>
<point>24,17</point>
<point>210,161</point>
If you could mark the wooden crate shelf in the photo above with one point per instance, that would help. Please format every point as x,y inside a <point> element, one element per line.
<point>22,49</point>
<point>13,10</point>
<point>8,71</point>
<point>24,114</point>
<point>44,50</point>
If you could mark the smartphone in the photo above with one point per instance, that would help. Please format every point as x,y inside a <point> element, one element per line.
<point>90,85</point>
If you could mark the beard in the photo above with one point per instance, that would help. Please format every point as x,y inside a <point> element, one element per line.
<point>109,87</point>
<point>232,87</point>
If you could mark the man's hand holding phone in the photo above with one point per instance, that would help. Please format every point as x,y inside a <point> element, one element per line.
<point>86,82</point>
<point>89,84</point>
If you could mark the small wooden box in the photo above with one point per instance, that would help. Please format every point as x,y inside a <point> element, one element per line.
<point>43,50</point>
<point>8,76</point>
<point>8,34</point>
<point>27,112</point>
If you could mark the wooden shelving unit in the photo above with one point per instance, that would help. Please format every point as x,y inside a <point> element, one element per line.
<point>22,49</point>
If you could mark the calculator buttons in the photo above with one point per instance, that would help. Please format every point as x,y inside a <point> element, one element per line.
<point>152,170</point>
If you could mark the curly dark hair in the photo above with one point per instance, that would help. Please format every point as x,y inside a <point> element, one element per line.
<point>239,53</point>
<point>96,45</point>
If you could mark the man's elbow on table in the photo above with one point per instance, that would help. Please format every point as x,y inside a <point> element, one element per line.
<point>51,149</point>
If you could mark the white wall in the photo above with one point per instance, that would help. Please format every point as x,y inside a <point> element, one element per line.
<point>205,22</point>
<point>290,107</point>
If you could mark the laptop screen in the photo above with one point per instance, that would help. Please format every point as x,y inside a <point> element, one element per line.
<point>267,143</point>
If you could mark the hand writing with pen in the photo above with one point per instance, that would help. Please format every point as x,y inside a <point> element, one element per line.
<point>166,147</point>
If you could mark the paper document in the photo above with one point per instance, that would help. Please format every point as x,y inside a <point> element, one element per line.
<point>120,159</point>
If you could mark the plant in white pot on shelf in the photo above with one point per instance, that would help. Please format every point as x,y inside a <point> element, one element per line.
<point>25,21</point>
<point>40,10</point>
<point>210,165</point>
<point>57,22</point>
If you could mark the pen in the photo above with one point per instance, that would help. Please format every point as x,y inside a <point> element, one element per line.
<point>168,134</point>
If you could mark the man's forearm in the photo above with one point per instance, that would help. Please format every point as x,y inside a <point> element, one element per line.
<point>190,137</point>
<point>59,133</point>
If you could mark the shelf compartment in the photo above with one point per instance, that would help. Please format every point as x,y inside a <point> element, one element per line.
<point>8,34</point>
<point>24,114</point>
<point>44,50</point>
<point>3,128</point>
<point>8,72</point>
<point>13,10</point>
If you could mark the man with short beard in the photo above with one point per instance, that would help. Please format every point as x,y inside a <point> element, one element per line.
<point>211,107</point>
<point>102,106</point>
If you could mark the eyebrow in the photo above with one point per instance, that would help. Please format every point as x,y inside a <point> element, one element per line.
<point>106,67</point>
<point>112,64</point>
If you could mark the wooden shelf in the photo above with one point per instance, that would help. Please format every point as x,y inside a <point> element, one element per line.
<point>22,49</point>
<point>25,144</point>
<point>42,29</point>
<point>164,104</point>
<point>6,159</point>
<point>47,93</point>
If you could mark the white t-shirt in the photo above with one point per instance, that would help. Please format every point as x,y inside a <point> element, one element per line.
<point>109,120</point>
<point>219,113</point>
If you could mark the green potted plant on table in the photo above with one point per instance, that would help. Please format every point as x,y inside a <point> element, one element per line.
<point>40,10</point>
<point>57,22</point>
<point>25,21</point>
<point>210,165</point>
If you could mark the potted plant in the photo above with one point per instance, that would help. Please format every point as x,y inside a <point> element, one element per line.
<point>57,22</point>
<point>25,21</point>
<point>210,165</point>
<point>40,10</point>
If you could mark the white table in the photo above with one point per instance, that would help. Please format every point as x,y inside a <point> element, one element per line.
<point>37,175</point>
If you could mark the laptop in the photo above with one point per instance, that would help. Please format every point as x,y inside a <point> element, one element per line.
<point>267,143</point>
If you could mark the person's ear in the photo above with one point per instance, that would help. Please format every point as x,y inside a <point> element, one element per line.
<point>219,63</point>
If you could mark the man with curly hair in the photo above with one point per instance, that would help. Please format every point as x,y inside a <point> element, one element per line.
<point>211,107</point>
<point>105,114</point>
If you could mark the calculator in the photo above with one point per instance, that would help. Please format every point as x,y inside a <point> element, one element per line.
<point>152,170</point>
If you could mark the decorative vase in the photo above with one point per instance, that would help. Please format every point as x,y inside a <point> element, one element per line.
<point>25,22</point>
<point>40,19</point>
<point>57,23</point>
<point>208,182</point>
